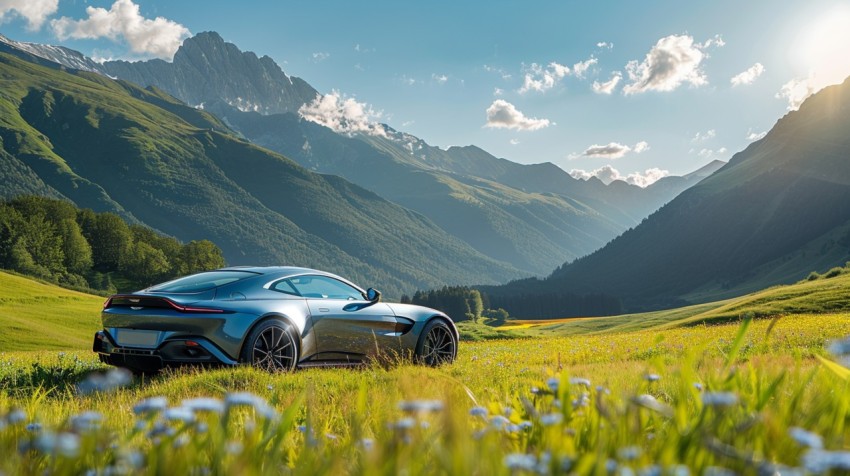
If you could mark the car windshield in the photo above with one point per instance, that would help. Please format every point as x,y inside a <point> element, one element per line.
<point>201,282</point>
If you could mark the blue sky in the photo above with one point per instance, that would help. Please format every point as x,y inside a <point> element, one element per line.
<point>528,81</point>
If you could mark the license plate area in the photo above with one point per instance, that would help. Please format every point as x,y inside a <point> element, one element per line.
<point>136,338</point>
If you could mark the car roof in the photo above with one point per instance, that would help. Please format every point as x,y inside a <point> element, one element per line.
<point>283,271</point>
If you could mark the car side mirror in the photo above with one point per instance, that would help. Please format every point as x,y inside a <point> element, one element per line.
<point>373,295</point>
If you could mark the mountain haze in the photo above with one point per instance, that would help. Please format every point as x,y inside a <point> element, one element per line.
<point>113,146</point>
<point>528,215</point>
<point>776,211</point>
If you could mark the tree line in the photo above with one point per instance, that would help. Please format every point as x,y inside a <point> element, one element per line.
<point>461,303</point>
<point>465,303</point>
<point>56,241</point>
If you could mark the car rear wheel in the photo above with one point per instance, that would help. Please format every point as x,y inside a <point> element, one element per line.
<point>271,346</point>
<point>437,344</point>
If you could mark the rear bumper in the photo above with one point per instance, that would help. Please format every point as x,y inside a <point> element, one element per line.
<point>177,351</point>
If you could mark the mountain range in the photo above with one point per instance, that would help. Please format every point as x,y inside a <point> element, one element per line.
<point>777,211</point>
<point>113,146</point>
<point>437,216</point>
<point>529,216</point>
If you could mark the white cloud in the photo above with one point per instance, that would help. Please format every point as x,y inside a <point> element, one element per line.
<point>604,45</point>
<point>647,178</point>
<point>343,114</point>
<point>320,56</point>
<point>704,136</point>
<point>754,136</point>
<point>609,86</point>
<point>612,150</point>
<point>503,115</point>
<point>582,66</point>
<point>711,153</point>
<point>748,76</point>
<point>540,79</point>
<point>498,91</point>
<point>439,78</point>
<point>716,41</point>
<point>35,12</point>
<point>159,37</point>
<point>673,60</point>
<point>798,90</point>
<point>608,174</point>
<point>408,80</point>
<point>514,141</point>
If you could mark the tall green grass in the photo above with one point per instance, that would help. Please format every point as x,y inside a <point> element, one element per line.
<point>751,398</point>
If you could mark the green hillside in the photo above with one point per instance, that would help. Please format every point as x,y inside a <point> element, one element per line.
<point>829,293</point>
<point>36,316</point>
<point>530,216</point>
<point>112,146</point>
<point>777,210</point>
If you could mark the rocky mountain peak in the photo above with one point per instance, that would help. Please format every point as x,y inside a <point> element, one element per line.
<point>208,70</point>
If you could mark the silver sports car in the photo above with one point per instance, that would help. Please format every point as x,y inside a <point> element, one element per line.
<point>277,318</point>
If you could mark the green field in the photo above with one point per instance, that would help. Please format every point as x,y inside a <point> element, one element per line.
<point>749,397</point>
<point>36,316</point>
<point>819,296</point>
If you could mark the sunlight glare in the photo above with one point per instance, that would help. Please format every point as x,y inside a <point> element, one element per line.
<point>821,47</point>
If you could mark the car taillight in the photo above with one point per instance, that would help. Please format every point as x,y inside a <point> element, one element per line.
<point>194,309</point>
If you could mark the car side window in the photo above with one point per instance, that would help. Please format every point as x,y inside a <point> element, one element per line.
<point>284,286</point>
<point>323,287</point>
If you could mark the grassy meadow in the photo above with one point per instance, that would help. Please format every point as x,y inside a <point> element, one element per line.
<point>760,396</point>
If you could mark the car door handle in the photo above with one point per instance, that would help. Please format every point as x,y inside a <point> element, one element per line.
<point>323,309</point>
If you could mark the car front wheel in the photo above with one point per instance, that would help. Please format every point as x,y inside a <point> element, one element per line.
<point>437,344</point>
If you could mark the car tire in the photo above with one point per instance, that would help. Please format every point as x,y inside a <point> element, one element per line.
<point>437,344</point>
<point>271,345</point>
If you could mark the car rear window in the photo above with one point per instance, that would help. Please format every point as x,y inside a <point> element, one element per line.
<point>201,282</point>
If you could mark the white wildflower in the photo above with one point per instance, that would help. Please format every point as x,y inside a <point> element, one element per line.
<point>186,415</point>
<point>550,419</point>
<point>86,421</point>
<point>839,347</point>
<point>151,405</point>
<point>648,401</point>
<point>806,438</point>
<point>499,422</point>
<point>520,461</point>
<point>719,399</point>
<point>204,404</point>
<point>106,381</point>
<point>16,416</point>
<point>421,406</point>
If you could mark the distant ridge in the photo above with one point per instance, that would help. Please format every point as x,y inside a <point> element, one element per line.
<point>113,146</point>
<point>529,216</point>
<point>778,210</point>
